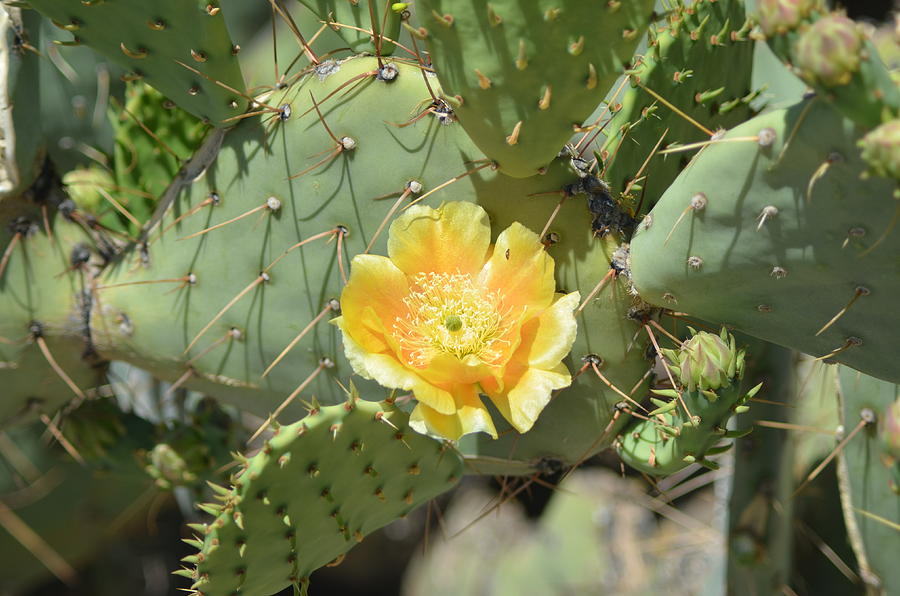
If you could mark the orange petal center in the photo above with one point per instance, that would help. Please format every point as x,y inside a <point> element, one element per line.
<point>451,313</point>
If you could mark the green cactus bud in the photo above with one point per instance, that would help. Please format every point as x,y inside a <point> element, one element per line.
<point>82,185</point>
<point>168,468</point>
<point>830,51</point>
<point>881,149</point>
<point>777,17</point>
<point>706,361</point>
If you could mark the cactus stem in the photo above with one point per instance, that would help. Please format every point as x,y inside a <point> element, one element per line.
<point>859,292</point>
<point>324,363</point>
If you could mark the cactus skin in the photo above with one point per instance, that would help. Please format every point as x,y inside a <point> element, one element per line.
<point>751,256</point>
<point>317,488</point>
<point>151,39</point>
<point>42,294</point>
<point>683,65</point>
<point>356,14</point>
<point>670,439</point>
<point>865,480</point>
<point>522,74</point>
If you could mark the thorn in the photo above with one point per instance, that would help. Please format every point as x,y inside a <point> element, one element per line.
<point>451,181</point>
<point>324,363</point>
<point>332,305</point>
<point>850,342</point>
<point>212,199</point>
<point>37,546</point>
<point>671,106</point>
<point>407,191</point>
<point>42,344</point>
<point>271,203</point>
<point>261,278</point>
<point>600,285</point>
<point>698,203</point>
<point>8,252</point>
<point>857,294</point>
<point>833,158</point>
<point>837,449</point>
<point>628,398</point>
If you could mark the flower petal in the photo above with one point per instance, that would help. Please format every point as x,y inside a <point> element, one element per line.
<point>548,338</point>
<point>520,270</point>
<point>386,370</point>
<point>471,416</point>
<point>453,238</point>
<point>377,283</point>
<point>526,393</point>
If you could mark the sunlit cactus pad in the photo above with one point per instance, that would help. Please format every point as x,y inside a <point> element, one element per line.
<point>315,489</point>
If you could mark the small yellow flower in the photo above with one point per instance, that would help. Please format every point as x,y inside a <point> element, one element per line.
<point>449,317</point>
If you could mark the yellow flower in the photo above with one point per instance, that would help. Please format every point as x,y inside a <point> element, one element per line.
<point>448,317</point>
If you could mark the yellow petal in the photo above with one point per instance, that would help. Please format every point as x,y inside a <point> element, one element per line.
<point>471,416</point>
<point>453,238</point>
<point>521,270</point>
<point>377,283</point>
<point>548,338</point>
<point>527,392</point>
<point>386,370</point>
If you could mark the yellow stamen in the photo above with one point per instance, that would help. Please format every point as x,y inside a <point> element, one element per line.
<point>451,314</point>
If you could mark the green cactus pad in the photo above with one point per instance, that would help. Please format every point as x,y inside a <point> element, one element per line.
<point>683,65</point>
<point>150,39</point>
<point>865,480</point>
<point>356,16</point>
<point>316,488</point>
<point>788,237</point>
<point>685,429</point>
<point>43,295</point>
<point>523,73</point>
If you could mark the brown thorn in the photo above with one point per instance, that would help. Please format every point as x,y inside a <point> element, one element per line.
<point>265,107</point>
<point>328,308</point>
<point>8,252</point>
<point>884,234</point>
<point>603,113</point>
<point>184,280</point>
<point>340,253</point>
<point>387,218</point>
<point>598,441</point>
<point>334,153</point>
<point>45,217</point>
<point>788,426</point>
<point>703,144</point>
<point>17,459</point>
<point>618,391</point>
<point>837,449</point>
<point>265,205</point>
<point>857,294</point>
<point>57,369</point>
<point>448,183</point>
<point>640,172</point>
<point>376,37</point>
<point>848,343</point>
<point>662,330</point>
<point>331,233</point>
<point>261,278</point>
<point>355,79</point>
<point>69,447</point>
<point>826,551</point>
<point>322,120</point>
<point>118,207</point>
<point>231,333</point>
<point>672,107</point>
<point>553,215</point>
<point>207,201</point>
<point>511,496</point>
<point>287,401</point>
<point>178,383</point>
<point>361,30</point>
<point>296,31</point>
<point>600,285</point>
<point>796,128</point>
<point>36,545</point>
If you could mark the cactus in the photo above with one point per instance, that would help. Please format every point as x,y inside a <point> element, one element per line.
<point>802,214</point>
<point>207,234</point>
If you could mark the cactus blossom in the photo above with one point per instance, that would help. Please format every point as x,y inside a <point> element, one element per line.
<point>449,317</point>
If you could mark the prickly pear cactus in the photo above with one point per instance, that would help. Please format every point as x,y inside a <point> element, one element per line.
<point>181,48</point>
<point>775,208</point>
<point>521,75</point>
<point>316,488</point>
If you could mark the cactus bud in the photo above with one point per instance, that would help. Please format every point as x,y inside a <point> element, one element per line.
<point>707,361</point>
<point>890,430</point>
<point>777,17</point>
<point>829,52</point>
<point>881,149</point>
